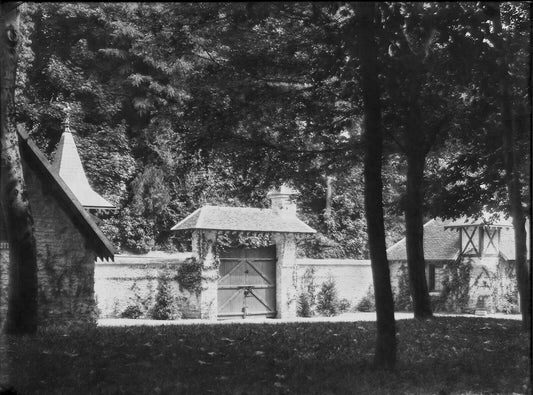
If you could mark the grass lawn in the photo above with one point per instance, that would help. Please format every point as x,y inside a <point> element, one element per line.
<point>446,355</point>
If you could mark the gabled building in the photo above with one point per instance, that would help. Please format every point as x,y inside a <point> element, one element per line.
<point>67,240</point>
<point>485,248</point>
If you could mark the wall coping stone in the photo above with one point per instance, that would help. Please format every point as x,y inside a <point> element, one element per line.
<point>153,257</point>
<point>332,262</point>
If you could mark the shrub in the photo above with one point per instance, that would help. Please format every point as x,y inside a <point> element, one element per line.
<point>328,303</point>
<point>344,305</point>
<point>368,302</point>
<point>304,306</point>
<point>164,303</point>
<point>403,301</point>
<point>138,306</point>
<point>132,311</point>
<point>505,290</point>
<point>307,299</point>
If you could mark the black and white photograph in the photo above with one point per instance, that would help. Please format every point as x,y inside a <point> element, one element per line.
<point>255,198</point>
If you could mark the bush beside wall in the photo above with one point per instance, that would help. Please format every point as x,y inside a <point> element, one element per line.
<point>130,290</point>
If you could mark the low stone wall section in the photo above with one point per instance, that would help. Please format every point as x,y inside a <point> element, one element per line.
<point>352,277</point>
<point>132,280</point>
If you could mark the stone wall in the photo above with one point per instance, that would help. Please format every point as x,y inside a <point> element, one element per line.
<point>65,262</point>
<point>132,281</point>
<point>286,275</point>
<point>352,277</point>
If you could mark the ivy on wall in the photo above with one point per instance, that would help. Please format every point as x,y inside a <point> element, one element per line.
<point>505,289</point>
<point>189,276</point>
<point>456,287</point>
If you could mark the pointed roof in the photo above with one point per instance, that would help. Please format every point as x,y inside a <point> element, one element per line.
<point>67,164</point>
<point>55,184</point>
<point>243,219</point>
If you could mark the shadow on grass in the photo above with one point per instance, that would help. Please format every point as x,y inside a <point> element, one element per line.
<point>445,354</point>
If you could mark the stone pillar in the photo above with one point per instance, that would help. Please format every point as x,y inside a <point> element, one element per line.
<point>203,245</point>
<point>286,275</point>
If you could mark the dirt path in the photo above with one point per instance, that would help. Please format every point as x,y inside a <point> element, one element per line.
<point>348,317</point>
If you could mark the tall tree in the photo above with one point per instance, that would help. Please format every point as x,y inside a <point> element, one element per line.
<point>422,98</point>
<point>366,49</point>
<point>22,293</point>
<point>511,171</point>
<point>413,45</point>
<point>486,166</point>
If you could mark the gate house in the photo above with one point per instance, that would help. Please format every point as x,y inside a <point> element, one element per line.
<point>260,282</point>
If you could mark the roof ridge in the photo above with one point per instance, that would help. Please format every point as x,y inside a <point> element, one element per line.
<point>243,219</point>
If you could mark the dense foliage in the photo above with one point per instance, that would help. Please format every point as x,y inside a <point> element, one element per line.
<point>176,105</point>
<point>179,105</point>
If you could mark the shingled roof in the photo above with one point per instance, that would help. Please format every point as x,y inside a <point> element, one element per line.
<point>439,244</point>
<point>243,219</point>
<point>81,218</point>
<point>67,164</point>
<point>441,240</point>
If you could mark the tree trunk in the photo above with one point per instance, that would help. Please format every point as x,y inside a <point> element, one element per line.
<point>385,356</point>
<point>512,176</point>
<point>22,293</point>
<point>515,203</point>
<point>329,196</point>
<point>415,234</point>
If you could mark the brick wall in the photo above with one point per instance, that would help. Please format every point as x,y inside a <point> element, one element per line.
<point>132,280</point>
<point>65,263</point>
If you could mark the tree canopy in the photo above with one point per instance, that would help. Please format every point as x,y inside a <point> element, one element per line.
<point>178,104</point>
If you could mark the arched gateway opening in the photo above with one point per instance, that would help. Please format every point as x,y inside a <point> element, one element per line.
<point>248,282</point>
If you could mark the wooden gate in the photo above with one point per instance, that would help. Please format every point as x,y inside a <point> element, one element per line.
<point>247,284</point>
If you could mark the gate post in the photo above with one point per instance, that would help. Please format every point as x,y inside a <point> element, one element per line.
<point>203,245</point>
<point>286,275</point>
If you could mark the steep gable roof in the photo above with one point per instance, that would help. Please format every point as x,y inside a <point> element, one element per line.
<point>67,164</point>
<point>439,244</point>
<point>244,219</point>
<point>81,218</point>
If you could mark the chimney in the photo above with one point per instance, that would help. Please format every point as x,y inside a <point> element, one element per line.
<point>281,201</point>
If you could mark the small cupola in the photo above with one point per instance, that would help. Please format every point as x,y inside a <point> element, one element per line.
<point>282,200</point>
<point>67,164</point>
